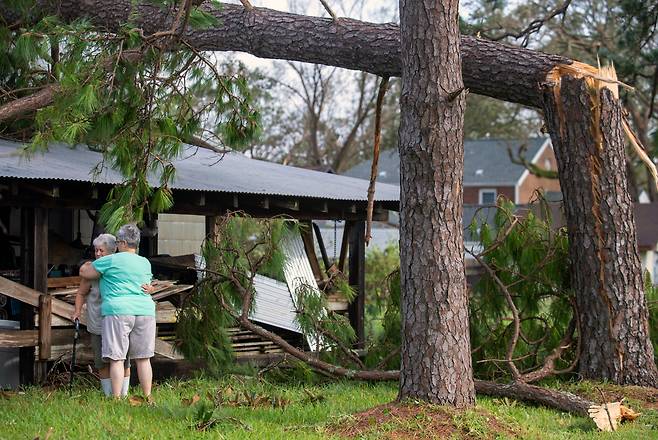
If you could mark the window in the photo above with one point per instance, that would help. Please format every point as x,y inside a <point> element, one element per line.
<point>487,196</point>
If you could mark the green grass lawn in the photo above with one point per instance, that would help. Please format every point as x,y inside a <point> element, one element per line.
<point>257,409</point>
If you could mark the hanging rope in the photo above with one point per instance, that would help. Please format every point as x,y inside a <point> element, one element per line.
<point>375,157</point>
<point>335,235</point>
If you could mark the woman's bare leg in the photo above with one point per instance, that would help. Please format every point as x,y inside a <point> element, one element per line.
<point>116,375</point>
<point>145,375</point>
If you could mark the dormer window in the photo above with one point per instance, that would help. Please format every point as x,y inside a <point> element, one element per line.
<point>487,196</point>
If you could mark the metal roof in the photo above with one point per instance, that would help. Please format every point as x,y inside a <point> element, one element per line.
<point>198,170</point>
<point>486,162</point>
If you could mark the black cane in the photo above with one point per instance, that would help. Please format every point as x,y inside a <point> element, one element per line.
<point>76,335</point>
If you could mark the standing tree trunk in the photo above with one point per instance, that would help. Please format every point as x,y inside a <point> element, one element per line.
<point>436,357</point>
<point>585,126</point>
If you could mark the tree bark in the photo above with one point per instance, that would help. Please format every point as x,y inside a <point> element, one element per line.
<point>492,69</point>
<point>585,126</point>
<point>436,359</point>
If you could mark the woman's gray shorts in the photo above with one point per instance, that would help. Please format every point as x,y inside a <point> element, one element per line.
<point>98,358</point>
<point>131,335</point>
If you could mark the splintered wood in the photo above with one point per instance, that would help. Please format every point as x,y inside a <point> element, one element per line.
<point>608,416</point>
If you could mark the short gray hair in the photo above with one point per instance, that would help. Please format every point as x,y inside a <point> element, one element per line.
<point>130,235</point>
<point>107,241</point>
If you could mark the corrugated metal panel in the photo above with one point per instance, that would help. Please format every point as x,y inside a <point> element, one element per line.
<point>199,170</point>
<point>298,272</point>
<point>273,304</point>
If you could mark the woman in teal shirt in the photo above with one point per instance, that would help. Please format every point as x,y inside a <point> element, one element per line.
<point>128,312</point>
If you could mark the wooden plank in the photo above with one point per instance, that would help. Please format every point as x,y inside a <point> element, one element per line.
<point>165,313</point>
<point>171,291</point>
<point>57,283</point>
<point>166,349</point>
<point>19,292</point>
<point>45,315</point>
<point>19,338</point>
<point>63,292</point>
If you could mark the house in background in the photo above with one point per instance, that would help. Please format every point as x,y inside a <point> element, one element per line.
<point>488,170</point>
<point>647,237</point>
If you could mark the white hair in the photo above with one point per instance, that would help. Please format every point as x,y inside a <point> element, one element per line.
<point>130,235</point>
<point>107,242</point>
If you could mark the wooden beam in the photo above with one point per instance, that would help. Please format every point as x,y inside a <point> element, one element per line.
<point>19,338</point>
<point>323,249</point>
<point>289,204</point>
<point>306,231</point>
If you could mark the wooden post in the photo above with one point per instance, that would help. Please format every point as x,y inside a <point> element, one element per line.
<point>34,273</point>
<point>148,246</point>
<point>40,257</point>
<point>357,278</point>
<point>40,260</point>
<point>45,319</point>
<point>26,354</point>
<point>211,228</point>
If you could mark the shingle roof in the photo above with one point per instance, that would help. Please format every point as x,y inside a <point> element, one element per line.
<point>198,169</point>
<point>486,162</point>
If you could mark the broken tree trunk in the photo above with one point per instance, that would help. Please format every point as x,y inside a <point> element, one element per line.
<point>489,68</point>
<point>584,120</point>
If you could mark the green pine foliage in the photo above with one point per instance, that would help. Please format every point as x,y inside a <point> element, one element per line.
<point>126,95</point>
<point>389,339</point>
<point>530,257</point>
<point>651,295</point>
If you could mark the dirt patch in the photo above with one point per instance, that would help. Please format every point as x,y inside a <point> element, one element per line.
<point>397,421</point>
<point>645,397</point>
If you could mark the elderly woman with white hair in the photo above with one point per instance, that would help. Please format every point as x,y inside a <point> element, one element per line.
<point>104,244</point>
<point>128,312</point>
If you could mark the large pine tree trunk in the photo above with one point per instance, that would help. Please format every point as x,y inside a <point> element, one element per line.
<point>585,126</point>
<point>436,357</point>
